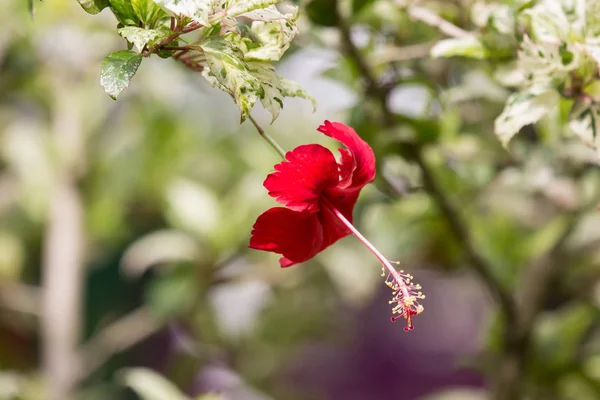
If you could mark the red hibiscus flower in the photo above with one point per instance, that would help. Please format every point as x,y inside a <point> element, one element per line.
<point>307,183</point>
<point>319,194</point>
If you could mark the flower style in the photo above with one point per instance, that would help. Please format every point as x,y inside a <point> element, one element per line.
<point>319,194</point>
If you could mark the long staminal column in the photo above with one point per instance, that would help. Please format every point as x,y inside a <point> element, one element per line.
<point>406,294</point>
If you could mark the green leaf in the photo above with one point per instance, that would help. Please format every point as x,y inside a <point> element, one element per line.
<point>524,108</point>
<point>228,71</point>
<point>276,88</point>
<point>171,295</point>
<point>117,70</point>
<point>322,12</point>
<point>592,19</point>
<point>291,89</point>
<point>147,11</point>
<point>123,10</point>
<point>93,6</point>
<point>358,5</point>
<point>584,121</point>
<point>344,71</point>
<point>558,335</point>
<point>150,385</point>
<point>538,243</point>
<point>466,47</point>
<point>140,37</point>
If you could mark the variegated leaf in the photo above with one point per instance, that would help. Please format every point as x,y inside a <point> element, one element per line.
<point>274,37</point>
<point>276,88</point>
<point>524,108</point>
<point>548,22</point>
<point>592,21</point>
<point>239,7</point>
<point>227,70</point>
<point>207,12</point>
<point>466,47</point>
<point>545,63</point>
<point>584,121</point>
<point>140,36</point>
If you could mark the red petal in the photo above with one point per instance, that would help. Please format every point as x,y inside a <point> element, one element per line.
<point>285,262</point>
<point>333,228</point>
<point>299,181</point>
<point>361,151</point>
<point>347,166</point>
<point>298,236</point>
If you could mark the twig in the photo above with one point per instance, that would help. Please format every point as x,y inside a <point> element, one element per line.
<point>432,19</point>
<point>62,259</point>
<point>178,48</point>
<point>521,313</point>
<point>115,338</point>
<point>62,291</point>
<point>178,30</point>
<point>192,27</point>
<point>448,210</point>
<point>353,52</point>
<point>405,53</point>
<point>452,216</point>
<point>536,289</point>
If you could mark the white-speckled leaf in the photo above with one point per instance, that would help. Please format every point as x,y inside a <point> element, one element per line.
<point>548,22</point>
<point>276,88</point>
<point>206,12</point>
<point>292,89</point>
<point>496,15</point>
<point>226,69</point>
<point>140,36</point>
<point>270,13</point>
<point>239,7</point>
<point>466,47</point>
<point>209,12</point>
<point>543,63</point>
<point>117,70</point>
<point>275,38</point>
<point>584,121</point>
<point>524,108</point>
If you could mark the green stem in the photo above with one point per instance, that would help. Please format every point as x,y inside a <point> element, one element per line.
<point>267,138</point>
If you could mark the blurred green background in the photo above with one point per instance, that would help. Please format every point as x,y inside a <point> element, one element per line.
<point>137,215</point>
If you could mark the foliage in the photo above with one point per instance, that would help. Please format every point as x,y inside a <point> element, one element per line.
<point>237,40</point>
<point>556,56</point>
